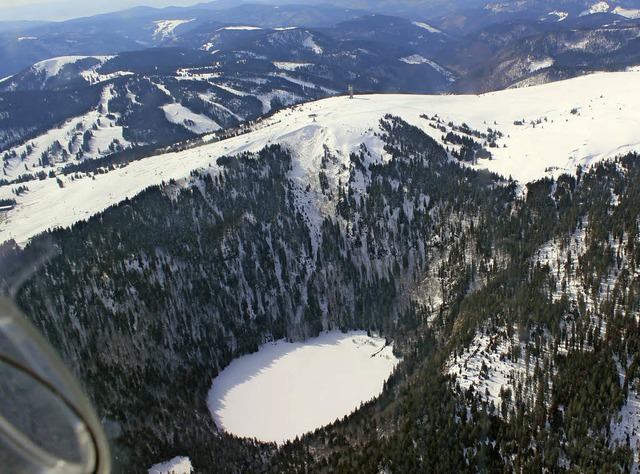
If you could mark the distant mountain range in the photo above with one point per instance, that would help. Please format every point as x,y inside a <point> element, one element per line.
<point>153,77</point>
<point>224,74</point>
<point>520,53</point>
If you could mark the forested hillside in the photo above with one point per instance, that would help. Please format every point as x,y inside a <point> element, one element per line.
<point>515,314</point>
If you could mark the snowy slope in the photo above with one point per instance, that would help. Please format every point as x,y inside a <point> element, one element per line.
<point>165,28</point>
<point>197,123</point>
<point>51,67</point>
<point>101,123</point>
<point>564,124</point>
<point>41,72</point>
<point>632,13</point>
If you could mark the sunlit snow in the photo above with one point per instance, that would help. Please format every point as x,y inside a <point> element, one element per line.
<point>165,28</point>
<point>177,465</point>
<point>631,13</point>
<point>547,129</point>
<point>241,28</point>
<point>425,26</point>
<point>197,123</point>
<point>561,15</point>
<point>600,7</point>
<point>287,389</point>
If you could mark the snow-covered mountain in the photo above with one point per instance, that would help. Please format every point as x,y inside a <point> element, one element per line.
<point>512,303</point>
<point>145,27</point>
<point>215,77</point>
<point>553,54</point>
<point>559,12</point>
<point>190,184</point>
<point>538,131</point>
<point>215,68</point>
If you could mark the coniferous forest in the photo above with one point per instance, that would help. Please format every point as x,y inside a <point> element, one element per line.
<point>150,299</point>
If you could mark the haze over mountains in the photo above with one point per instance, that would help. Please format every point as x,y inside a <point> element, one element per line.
<point>203,184</point>
<point>171,74</point>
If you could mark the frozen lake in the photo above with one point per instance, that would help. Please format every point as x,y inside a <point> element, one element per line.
<point>287,389</point>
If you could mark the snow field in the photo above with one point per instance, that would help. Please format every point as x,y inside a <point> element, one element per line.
<point>287,389</point>
<point>165,28</point>
<point>197,123</point>
<point>241,28</point>
<point>564,124</point>
<point>631,13</point>
<point>70,137</point>
<point>427,27</point>
<point>600,7</point>
<point>177,465</point>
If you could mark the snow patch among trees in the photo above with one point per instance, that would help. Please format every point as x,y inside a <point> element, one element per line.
<point>625,427</point>
<point>561,15</point>
<point>290,66</point>
<point>311,44</point>
<point>540,64</point>
<point>418,59</point>
<point>177,465</point>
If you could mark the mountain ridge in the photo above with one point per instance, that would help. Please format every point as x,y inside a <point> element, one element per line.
<point>528,148</point>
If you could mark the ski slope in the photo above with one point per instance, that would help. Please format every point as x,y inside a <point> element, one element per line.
<point>564,124</point>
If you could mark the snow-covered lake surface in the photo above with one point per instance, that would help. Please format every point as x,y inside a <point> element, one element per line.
<point>287,389</point>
